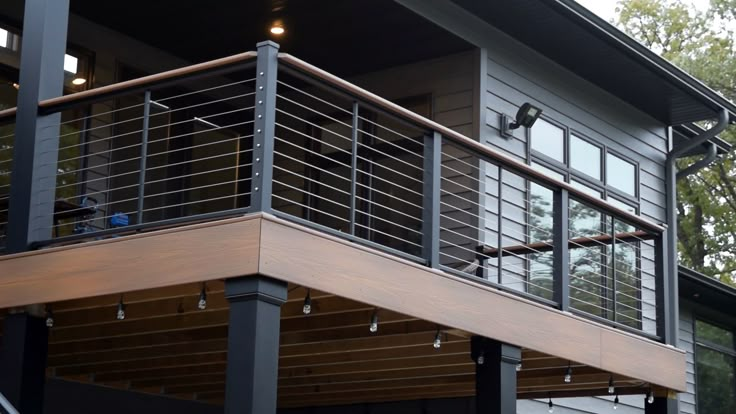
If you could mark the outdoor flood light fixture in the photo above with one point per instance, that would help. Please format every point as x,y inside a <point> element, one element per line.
<point>525,117</point>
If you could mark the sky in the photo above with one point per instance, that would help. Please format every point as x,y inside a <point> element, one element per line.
<point>607,8</point>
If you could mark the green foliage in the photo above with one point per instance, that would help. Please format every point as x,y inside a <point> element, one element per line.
<point>703,44</point>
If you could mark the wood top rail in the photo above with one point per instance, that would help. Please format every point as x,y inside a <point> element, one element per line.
<point>541,247</point>
<point>147,80</point>
<point>468,143</point>
<point>456,137</point>
<point>7,113</point>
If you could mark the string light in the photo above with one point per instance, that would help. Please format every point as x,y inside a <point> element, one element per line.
<point>615,402</point>
<point>307,309</point>
<point>650,397</point>
<point>202,304</point>
<point>437,340</point>
<point>481,358</point>
<point>568,374</point>
<point>518,367</point>
<point>49,317</point>
<point>121,309</point>
<point>551,406</point>
<point>611,387</point>
<point>374,322</point>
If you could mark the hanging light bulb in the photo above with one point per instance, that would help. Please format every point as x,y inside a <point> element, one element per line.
<point>568,374</point>
<point>481,358</point>
<point>518,367</point>
<point>374,322</point>
<point>121,309</point>
<point>307,309</point>
<point>650,397</point>
<point>437,340</point>
<point>611,387</point>
<point>615,402</point>
<point>551,406</point>
<point>49,318</point>
<point>202,304</point>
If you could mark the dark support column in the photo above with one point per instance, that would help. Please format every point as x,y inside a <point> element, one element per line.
<point>23,362</point>
<point>495,378</point>
<point>36,137</point>
<point>253,344</point>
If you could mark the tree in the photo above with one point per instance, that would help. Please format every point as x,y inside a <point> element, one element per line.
<point>702,43</point>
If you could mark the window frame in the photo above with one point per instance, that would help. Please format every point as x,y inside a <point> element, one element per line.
<point>606,191</point>
<point>699,342</point>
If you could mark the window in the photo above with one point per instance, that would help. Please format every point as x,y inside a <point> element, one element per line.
<point>715,361</point>
<point>549,140</point>
<point>605,280</point>
<point>621,174</point>
<point>585,157</point>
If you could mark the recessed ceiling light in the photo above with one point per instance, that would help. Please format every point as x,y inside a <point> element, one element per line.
<point>79,81</point>
<point>277,28</point>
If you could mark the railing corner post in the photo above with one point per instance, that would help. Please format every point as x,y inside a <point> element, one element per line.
<point>561,267</point>
<point>431,203</point>
<point>264,127</point>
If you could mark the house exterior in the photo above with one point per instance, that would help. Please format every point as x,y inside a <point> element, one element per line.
<point>390,206</point>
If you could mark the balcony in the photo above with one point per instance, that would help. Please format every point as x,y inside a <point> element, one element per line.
<point>263,163</point>
<point>224,139</point>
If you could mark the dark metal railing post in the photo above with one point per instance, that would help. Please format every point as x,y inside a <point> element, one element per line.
<point>264,127</point>
<point>144,156</point>
<point>660,280</point>
<point>614,287</point>
<point>431,202</point>
<point>354,166</point>
<point>560,240</point>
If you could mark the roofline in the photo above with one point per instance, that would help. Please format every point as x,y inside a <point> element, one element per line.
<point>706,281</point>
<point>648,58</point>
<point>691,130</point>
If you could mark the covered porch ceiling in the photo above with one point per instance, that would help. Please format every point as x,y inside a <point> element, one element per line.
<point>167,346</point>
<point>344,37</point>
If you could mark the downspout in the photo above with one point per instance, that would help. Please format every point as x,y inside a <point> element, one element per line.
<point>669,284</point>
<point>700,164</point>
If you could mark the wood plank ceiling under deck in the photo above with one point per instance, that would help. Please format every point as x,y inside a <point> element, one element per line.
<point>166,345</point>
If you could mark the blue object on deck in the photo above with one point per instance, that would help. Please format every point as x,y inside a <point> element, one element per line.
<point>119,220</point>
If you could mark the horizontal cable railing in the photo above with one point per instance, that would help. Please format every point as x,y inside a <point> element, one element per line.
<point>152,152</point>
<point>282,136</point>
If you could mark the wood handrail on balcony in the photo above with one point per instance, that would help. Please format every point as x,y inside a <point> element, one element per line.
<point>455,137</point>
<point>466,142</point>
<point>542,247</point>
<point>145,81</point>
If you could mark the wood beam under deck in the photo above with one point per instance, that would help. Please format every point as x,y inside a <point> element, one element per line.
<point>182,347</point>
